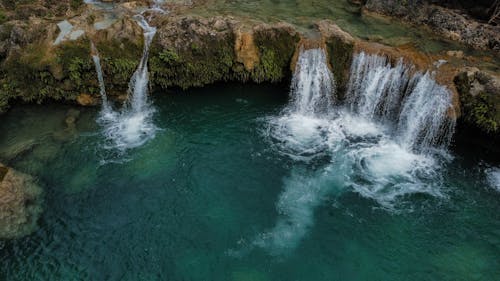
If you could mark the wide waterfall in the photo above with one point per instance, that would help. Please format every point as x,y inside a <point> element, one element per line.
<point>133,125</point>
<point>381,143</point>
<point>414,104</point>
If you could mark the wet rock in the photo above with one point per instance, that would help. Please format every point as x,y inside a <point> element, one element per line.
<point>17,149</point>
<point>456,54</point>
<point>340,48</point>
<point>71,117</point>
<point>20,203</point>
<point>87,100</point>
<point>195,51</point>
<point>480,100</point>
<point>446,22</point>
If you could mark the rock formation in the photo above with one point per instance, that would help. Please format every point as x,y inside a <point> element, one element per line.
<point>20,200</point>
<point>193,51</point>
<point>449,23</point>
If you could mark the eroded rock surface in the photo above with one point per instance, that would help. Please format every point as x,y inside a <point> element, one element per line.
<point>449,23</point>
<point>20,203</point>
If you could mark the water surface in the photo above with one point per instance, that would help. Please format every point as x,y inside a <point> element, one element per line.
<point>195,202</point>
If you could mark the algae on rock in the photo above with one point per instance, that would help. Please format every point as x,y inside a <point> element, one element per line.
<point>20,203</point>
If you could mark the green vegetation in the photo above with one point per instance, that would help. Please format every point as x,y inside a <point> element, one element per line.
<point>203,62</point>
<point>276,49</point>
<point>480,110</point>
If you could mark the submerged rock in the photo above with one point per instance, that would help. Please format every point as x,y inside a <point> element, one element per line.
<point>20,203</point>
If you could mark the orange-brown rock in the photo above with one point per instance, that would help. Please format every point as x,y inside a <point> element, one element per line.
<point>245,49</point>
<point>87,100</point>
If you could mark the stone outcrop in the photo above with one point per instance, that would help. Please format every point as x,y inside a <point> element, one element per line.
<point>340,48</point>
<point>193,51</point>
<point>446,22</point>
<point>480,99</point>
<point>20,200</point>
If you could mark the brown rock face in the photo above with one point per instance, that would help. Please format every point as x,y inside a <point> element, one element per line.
<point>86,100</point>
<point>20,200</point>
<point>246,51</point>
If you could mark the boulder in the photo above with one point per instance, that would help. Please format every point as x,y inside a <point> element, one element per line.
<point>20,203</point>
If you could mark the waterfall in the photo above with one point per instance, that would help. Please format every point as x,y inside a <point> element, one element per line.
<point>413,103</point>
<point>132,126</point>
<point>313,85</point>
<point>100,78</point>
<point>381,143</point>
<point>138,85</point>
<point>301,130</point>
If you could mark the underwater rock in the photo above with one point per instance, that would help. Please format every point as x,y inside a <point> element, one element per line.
<point>17,149</point>
<point>20,203</point>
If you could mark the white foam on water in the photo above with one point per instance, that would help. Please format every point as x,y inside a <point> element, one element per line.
<point>302,194</point>
<point>132,126</point>
<point>493,177</point>
<point>382,145</point>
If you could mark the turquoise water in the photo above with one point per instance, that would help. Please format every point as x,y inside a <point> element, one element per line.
<point>197,201</point>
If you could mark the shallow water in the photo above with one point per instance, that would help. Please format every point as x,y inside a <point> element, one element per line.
<point>303,14</point>
<point>214,196</point>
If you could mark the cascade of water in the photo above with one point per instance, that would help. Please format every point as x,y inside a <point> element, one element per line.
<point>133,125</point>
<point>313,84</point>
<point>378,145</point>
<point>138,85</point>
<point>301,130</point>
<point>102,87</point>
<point>413,103</point>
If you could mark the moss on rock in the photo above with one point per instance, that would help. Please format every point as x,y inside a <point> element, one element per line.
<point>20,203</point>
<point>480,100</point>
<point>276,45</point>
<point>196,64</point>
<point>340,48</point>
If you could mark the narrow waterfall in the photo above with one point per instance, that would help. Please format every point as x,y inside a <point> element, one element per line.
<point>413,103</point>
<point>138,85</point>
<point>313,85</point>
<point>100,78</point>
<point>132,126</point>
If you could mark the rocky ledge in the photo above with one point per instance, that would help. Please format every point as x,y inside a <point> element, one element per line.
<point>452,24</point>
<point>20,200</point>
<point>192,51</point>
